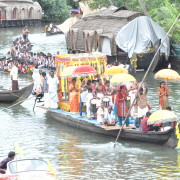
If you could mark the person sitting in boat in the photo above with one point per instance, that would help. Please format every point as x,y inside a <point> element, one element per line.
<point>109,117</point>
<point>100,115</point>
<point>89,96</point>
<point>142,103</point>
<point>163,94</point>
<point>145,127</point>
<point>3,164</point>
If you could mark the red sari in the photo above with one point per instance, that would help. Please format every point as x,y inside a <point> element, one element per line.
<point>122,108</point>
<point>163,98</point>
<point>74,98</point>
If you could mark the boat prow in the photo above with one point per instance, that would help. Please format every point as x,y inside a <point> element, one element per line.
<point>15,96</point>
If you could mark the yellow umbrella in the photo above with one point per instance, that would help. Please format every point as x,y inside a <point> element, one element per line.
<point>68,71</point>
<point>167,74</point>
<point>115,70</point>
<point>119,79</point>
<point>161,116</point>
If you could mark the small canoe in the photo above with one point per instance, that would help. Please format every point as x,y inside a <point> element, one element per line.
<point>53,33</point>
<point>167,138</point>
<point>15,96</point>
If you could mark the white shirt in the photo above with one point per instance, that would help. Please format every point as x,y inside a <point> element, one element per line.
<point>88,98</point>
<point>53,82</point>
<point>83,96</point>
<point>100,115</point>
<point>109,116</point>
<point>14,73</point>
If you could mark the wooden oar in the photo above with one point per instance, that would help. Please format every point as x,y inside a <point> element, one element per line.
<point>17,103</point>
<point>119,133</point>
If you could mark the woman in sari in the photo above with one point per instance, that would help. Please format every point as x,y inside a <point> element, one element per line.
<point>74,97</point>
<point>120,102</point>
<point>163,94</point>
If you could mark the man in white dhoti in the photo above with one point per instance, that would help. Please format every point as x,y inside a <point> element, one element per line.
<point>53,88</point>
<point>14,76</point>
<point>45,90</point>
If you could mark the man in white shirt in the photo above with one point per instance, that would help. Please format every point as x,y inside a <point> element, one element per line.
<point>53,88</point>
<point>14,76</point>
<point>89,96</point>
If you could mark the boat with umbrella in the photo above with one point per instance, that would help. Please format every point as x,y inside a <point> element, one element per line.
<point>128,133</point>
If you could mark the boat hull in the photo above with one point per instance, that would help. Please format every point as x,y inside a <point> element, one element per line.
<point>129,134</point>
<point>15,96</point>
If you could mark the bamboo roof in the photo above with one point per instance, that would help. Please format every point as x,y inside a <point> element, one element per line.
<point>86,33</point>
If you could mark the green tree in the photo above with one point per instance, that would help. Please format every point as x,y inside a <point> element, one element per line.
<point>54,10</point>
<point>165,16</point>
<point>72,3</point>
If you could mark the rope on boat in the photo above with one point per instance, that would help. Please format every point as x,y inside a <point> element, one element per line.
<point>119,133</point>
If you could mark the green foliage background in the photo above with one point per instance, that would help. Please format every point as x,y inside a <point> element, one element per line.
<point>163,12</point>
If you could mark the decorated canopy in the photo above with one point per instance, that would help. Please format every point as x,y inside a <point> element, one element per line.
<point>94,59</point>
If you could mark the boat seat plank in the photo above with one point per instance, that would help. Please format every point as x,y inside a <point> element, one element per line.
<point>131,126</point>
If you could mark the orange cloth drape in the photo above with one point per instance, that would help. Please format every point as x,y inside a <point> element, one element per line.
<point>74,98</point>
<point>163,99</point>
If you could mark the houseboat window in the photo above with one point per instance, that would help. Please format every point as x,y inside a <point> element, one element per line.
<point>30,13</point>
<point>14,15</point>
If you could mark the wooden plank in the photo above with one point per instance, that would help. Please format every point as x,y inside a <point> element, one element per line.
<point>131,126</point>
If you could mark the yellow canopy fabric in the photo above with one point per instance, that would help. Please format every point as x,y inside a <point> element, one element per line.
<point>66,25</point>
<point>68,71</point>
<point>119,79</point>
<point>167,74</point>
<point>162,116</point>
<point>115,70</point>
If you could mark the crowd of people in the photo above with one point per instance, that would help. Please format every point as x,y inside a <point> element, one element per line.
<point>20,52</point>
<point>97,99</point>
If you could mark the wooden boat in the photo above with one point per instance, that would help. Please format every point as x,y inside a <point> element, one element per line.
<point>15,96</point>
<point>167,138</point>
<point>49,33</point>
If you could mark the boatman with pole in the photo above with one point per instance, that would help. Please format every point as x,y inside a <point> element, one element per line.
<point>14,76</point>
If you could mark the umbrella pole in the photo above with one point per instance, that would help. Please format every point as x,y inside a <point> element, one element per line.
<point>144,78</point>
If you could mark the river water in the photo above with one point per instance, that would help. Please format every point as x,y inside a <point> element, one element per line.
<point>77,154</point>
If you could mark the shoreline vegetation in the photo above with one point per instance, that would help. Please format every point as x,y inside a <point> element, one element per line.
<point>162,12</point>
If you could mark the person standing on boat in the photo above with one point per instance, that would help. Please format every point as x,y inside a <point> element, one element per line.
<point>83,94</point>
<point>142,103</point>
<point>52,89</point>
<point>25,33</point>
<point>163,94</point>
<point>74,97</point>
<point>14,76</point>
<point>3,164</point>
<point>45,90</point>
<point>122,107</point>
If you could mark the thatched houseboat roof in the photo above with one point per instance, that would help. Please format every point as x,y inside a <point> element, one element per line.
<point>88,33</point>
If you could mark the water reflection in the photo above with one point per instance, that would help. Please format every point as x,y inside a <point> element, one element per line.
<point>77,154</point>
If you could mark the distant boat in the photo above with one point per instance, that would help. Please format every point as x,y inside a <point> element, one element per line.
<point>15,96</point>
